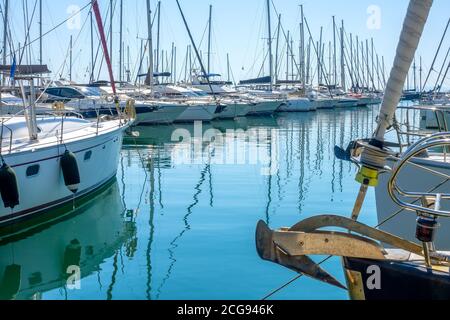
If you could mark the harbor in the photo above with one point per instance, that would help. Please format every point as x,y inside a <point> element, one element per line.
<point>139,161</point>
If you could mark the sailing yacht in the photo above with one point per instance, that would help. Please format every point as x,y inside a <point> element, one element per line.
<point>47,162</point>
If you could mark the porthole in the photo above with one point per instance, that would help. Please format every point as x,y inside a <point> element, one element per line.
<point>33,170</point>
<point>88,156</point>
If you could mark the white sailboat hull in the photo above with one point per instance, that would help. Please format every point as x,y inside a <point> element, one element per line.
<point>265,107</point>
<point>97,158</point>
<point>164,114</point>
<point>297,105</point>
<point>198,113</point>
<point>234,110</point>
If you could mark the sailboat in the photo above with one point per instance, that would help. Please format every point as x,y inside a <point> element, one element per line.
<point>377,264</point>
<point>47,162</point>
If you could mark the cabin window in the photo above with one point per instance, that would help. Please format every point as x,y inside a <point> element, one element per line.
<point>33,170</point>
<point>88,156</point>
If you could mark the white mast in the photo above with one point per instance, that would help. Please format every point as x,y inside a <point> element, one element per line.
<point>5,34</point>
<point>302,51</point>
<point>121,43</point>
<point>270,45</point>
<point>209,39</point>
<point>150,80</point>
<point>413,27</point>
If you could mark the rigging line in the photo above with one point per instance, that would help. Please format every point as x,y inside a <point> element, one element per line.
<point>51,30</point>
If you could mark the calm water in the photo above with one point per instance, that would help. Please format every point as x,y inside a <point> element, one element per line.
<point>179,221</point>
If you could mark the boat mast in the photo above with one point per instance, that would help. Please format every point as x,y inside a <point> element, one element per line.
<point>150,80</point>
<point>277,49</point>
<point>334,52</point>
<point>92,48</point>
<point>308,61</point>
<point>302,50</point>
<point>121,43</point>
<point>343,84</point>
<point>158,49</point>
<point>269,40</point>
<point>351,61</point>
<point>5,35</point>
<point>420,74</point>
<point>228,68</point>
<point>320,57</point>
<point>40,33</point>
<point>209,39</point>
<point>287,55</point>
<point>71,58</point>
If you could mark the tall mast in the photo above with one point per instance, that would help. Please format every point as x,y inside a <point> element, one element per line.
<point>373,64</point>
<point>351,60</point>
<point>302,51</point>
<point>287,55</point>
<point>209,39</point>
<point>40,33</point>
<point>414,75</point>
<point>269,40</point>
<point>308,61</point>
<point>5,35</point>
<point>334,52</point>
<point>158,35</point>
<point>92,48</point>
<point>277,49</point>
<point>343,84</point>
<point>172,56</point>
<point>150,80</point>
<point>121,42</point>
<point>319,59</point>
<point>420,74</point>
<point>71,58</point>
<point>228,68</point>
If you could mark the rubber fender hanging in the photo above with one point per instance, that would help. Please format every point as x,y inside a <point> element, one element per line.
<point>10,284</point>
<point>9,188</point>
<point>71,173</point>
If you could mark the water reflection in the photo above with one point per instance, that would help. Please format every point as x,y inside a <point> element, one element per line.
<point>38,261</point>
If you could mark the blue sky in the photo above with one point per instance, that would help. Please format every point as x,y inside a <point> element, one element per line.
<point>239,28</point>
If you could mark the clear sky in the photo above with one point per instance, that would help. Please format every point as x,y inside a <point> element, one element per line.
<point>239,28</point>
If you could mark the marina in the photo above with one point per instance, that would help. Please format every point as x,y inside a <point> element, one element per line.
<point>317,171</point>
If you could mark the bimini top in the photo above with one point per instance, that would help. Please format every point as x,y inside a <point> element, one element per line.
<point>25,70</point>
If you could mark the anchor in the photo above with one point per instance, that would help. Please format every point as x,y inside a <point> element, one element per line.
<point>291,247</point>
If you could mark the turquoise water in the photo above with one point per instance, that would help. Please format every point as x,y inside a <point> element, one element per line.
<point>179,221</point>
